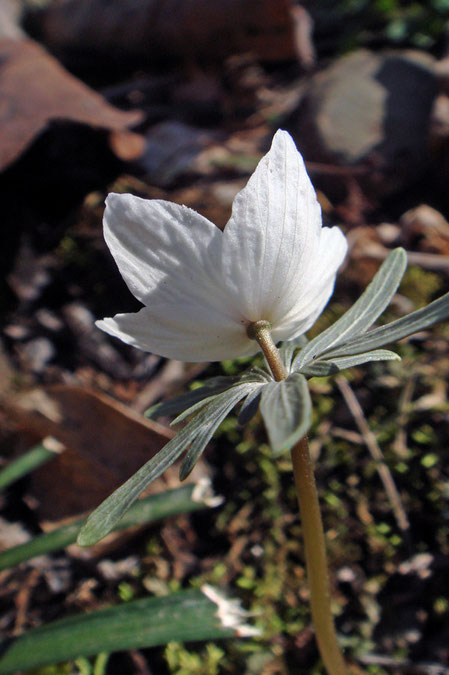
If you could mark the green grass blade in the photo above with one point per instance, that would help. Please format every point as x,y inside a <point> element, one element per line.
<point>163,505</point>
<point>23,465</point>
<point>192,615</point>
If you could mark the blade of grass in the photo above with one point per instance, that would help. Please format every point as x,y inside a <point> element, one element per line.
<point>182,617</point>
<point>185,499</point>
<point>29,461</point>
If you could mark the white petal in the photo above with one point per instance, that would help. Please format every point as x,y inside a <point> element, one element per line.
<point>187,333</point>
<point>270,242</point>
<point>202,286</point>
<point>161,246</point>
<point>314,292</point>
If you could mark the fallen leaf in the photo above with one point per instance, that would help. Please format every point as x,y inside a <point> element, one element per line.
<point>105,443</point>
<point>36,90</point>
<point>161,29</point>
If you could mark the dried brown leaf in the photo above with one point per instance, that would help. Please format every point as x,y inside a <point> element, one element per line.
<point>105,443</point>
<point>36,90</point>
<point>161,29</point>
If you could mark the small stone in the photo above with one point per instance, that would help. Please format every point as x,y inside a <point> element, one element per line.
<point>15,331</point>
<point>171,151</point>
<point>423,217</point>
<point>37,353</point>
<point>442,72</point>
<point>426,228</point>
<point>370,111</point>
<point>346,575</point>
<point>49,320</point>
<point>388,233</point>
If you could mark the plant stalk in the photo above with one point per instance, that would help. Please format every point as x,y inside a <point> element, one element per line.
<point>261,332</point>
<point>315,550</point>
<point>312,524</point>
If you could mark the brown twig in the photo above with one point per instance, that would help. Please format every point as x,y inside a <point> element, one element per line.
<point>375,451</point>
<point>22,599</point>
<point>430,261</point>
<point>399,444</point>
<point>404,666</point>
<point>139,662</point>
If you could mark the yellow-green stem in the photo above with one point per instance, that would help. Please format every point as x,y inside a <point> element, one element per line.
<point>315,550</point>
<point>312,525</point>
<point>261,332</point>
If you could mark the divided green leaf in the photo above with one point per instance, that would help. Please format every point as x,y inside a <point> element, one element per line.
<point>216,411</point>
<point>288,349</point>
<point>178,404</point>
<point>362,314</point>
<point>250,406</point>
<point>286,409</point>
<point>105,517</point>
<point>438,310</point>
<point>324,367</point>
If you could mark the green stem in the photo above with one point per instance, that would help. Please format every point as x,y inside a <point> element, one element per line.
<point>312,528</point>
<point>261,332</point>
<point>312,525</point>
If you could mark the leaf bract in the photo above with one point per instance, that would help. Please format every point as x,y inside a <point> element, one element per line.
<point>362,314</point>
<point>216,410</point>
<point>286,410</point>
<point>105,517</point>
<point>323,367</point>
<point>438,310</point>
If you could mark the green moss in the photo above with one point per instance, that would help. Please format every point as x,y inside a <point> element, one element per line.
<point>420,285</point>
<point>181,661</point>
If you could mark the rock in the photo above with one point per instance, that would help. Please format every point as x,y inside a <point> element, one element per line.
<point>29,275</point>
<point>425,228</point>
<point>37,353</point>
<point>12,534</point>
<point>422,218</point>
<point>370,111</point>
<point>442,71</point>
<point>10,15</point>
<point>92,342</point>
<point>49,320</point>
<point>171,150</point>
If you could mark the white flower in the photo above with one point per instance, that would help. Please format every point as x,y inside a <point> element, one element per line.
<point>202,287</point>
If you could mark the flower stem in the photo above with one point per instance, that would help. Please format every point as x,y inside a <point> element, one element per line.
<point>312,524</point>
<point>261,332</point>
<point>315,550</point>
